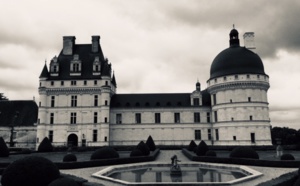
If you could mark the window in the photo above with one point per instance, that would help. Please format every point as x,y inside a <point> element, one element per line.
<point>95,135</point>
<point>84,82</point>
<point>251,118</point>
<point>216,116</point>
<point>236,77</point>
<point>95,82</point>
<point>177,117</point>
<point>252,137</point>
<point>249,99</point>
<point>217,134</point>
<point>52,101</point>
<point>106,83</point>
<point>258,76</point>
<point>73,101</point>
<point>197,134</point>
<point>62,83</point>
<point>95,117</point>
<point>225,78</point>
<point>50,135</point>
<point>208,117</point>
<point>214,99</point>
<point>232,119</point>
<point>234,138</point>
<point>138,118</point>
<point>106,102</point>
<point>230,100</point>
<point>14,135</point>
<point>95,100</point>
<point>216,80</point>
<point>105,120</point>
<point>196,117</point>
<point>196,101</point>
<point>73,83</point>
<point>157,117</point>
<point>119,118</point>
<point>248,76</point>
<point>73,117</point>
<point>75,67</point>
<point>209,134</point>
<point>52,83</point>
<point>51,118</point>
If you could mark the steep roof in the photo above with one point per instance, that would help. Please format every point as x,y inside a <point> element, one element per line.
<point>156,100</point>
<point>87,58</point>
<point>45,72</point>
<point>18,113</point>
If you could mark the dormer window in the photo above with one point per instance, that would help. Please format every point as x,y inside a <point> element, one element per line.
<point>75,66</point>
<point>54,67</point>
<point>96,66</point>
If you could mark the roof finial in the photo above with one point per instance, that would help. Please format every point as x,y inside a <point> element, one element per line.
<point>45,61</point>
<point>233,26</point>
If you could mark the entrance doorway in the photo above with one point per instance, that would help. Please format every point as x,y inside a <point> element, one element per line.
<point>72,140</point>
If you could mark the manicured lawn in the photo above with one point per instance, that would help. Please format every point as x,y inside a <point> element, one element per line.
<point>58,156</point>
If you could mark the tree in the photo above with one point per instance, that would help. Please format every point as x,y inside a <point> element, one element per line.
<point>2,97</point>
<point>4,152</point>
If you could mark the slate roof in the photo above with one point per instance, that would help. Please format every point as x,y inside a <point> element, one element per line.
<point>156,100</point>
<point>87,58</point>
<point>27,113</point>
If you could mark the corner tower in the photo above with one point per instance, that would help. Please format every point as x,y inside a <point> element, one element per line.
<point>238,87</point>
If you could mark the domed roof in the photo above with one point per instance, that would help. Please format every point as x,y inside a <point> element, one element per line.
<point>236,60</point>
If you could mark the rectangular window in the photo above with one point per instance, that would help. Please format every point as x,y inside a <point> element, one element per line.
<point>95,82</point>
<point>52,83</point>
<point>157,117</point>
<point>177,117</point>
<point>73,101</point>
<point>214,99</point>
<point>62,83</point>
<point>138,118</point>
<point>197,134</point>
<point>217,134</point>
<point>119,118</point>
<point>236,77</point>
<point>14,135</point>
<point>208,117</point>
<point>95,135</point>
<point>106,102</point>
<point>52,101</point>
<point>209,134</point>
<point>251,118</point>
<point>252,137</point>
<point>51,118</point>
<point>96,100</point>
<point>225,78</point>
<point>84,82</point>
<point>248,76</point>
<point>216,116</point>
<point>50,135</point>
<point>196,117</point>
<point>234,138</point>
<point>95,117</point>
<point>196,101</point>
<point>249,99</point>
<point>73,117</point>
<point>73,83</point>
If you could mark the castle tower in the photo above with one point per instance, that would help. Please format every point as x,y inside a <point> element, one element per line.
<point>238,87</point>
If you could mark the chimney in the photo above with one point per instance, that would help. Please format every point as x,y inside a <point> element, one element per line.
<point>249,40</point>
<point>95,43</point>
<point>68,45</point>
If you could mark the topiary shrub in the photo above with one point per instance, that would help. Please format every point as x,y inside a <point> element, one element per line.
<point>143,148</point>
<point>30,171</point>
<point>4,152</point>
<point>63,182</point>
<point>201,149</point>
<point>136,152</point>
<point>211,153</point>
<point>150,143</point>
<point>70,158</point>
<point>244,152</point>
<point>45,146</point>
<point>105,153</point>
<point>287,157</point>
<point>192,146</point>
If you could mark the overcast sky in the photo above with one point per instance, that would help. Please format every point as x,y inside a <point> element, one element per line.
<point>157,46</point>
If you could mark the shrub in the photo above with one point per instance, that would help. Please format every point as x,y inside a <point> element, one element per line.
<point>136,152</point>
<point>70,158</point>
<point>244,152</point>
<point>45,146</point>
<point>143,148</point>
<point>211,153</point>
<point>192,146</point>
<point>150,143</point>
<point>287,157</point>
<point>201,149</point>
<point>63,182</point>
<point>4,152</point>
<point>105,153</point>
<point>30,171</point>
